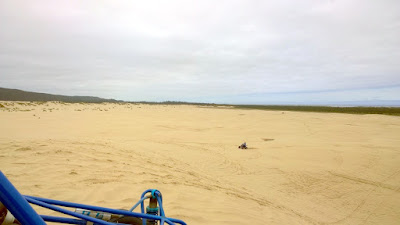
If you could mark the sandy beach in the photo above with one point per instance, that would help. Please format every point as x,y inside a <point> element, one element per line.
<point>300,168</point>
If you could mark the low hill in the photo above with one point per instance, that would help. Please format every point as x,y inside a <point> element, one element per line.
<point>7,94</point>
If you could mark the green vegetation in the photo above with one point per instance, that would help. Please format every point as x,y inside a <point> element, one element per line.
<point>41,98</point>
<point>18,95</point>
<point>394,111</point>
<point>174,103</point>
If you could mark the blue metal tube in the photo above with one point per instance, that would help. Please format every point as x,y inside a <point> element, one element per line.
<point>20,208</point>
<point>62,220</point>
<point>67,220</point>
<point>142,204</point>
<point>175,220</point>
<point>58,209</point>
<point>17,205</point>
<point>96,208</point>
<point>139,202</point>
<point>159,199</point>
<point>169,221</point>
<point>144,222</point>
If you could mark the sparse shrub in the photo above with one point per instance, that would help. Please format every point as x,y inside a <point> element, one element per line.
<point>394,111</point>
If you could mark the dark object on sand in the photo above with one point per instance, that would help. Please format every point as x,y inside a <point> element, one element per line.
<point>243,146</point>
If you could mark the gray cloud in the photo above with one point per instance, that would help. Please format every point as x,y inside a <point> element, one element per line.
<point>183,50</point>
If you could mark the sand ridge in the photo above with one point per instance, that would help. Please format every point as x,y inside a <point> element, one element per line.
<point>300,168</point>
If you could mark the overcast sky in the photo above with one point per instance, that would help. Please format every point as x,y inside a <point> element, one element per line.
<point>204,51</point>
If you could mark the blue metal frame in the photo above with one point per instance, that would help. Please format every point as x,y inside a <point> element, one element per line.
<point>17,204</point>
<point>20,208</point>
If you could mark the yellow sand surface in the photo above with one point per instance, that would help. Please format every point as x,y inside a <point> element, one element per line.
<point>300,168</point>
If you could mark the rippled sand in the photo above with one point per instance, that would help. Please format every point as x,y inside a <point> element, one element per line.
<point>300,168</point>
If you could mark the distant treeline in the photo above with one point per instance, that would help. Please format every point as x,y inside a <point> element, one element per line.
<point>395,111</point>
<point>328,109</point>
<point>174,103</point>
<point>18,95</point>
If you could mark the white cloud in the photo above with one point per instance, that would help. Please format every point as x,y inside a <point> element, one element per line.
<point>190,50</point>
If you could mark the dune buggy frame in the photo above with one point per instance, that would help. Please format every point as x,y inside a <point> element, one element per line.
<point>20,208</point>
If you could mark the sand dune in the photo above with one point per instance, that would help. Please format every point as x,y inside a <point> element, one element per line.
<point>300,168</point>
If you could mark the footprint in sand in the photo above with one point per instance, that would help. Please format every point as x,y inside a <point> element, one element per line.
<point>267,139</point>
<point>23,149</point>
